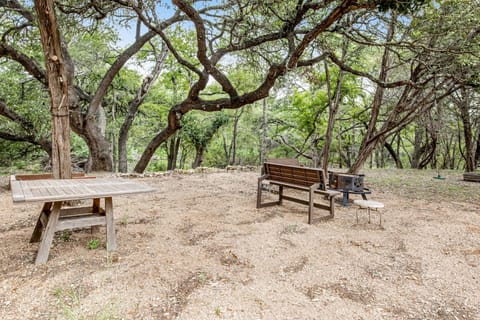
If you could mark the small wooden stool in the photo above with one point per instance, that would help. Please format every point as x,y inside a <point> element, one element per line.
<point>369,205</point>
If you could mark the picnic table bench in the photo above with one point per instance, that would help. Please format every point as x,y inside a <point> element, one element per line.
<point>56,216</point>
<point>311,180</point>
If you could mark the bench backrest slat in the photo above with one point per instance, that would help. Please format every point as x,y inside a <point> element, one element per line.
<point>302,176</point>
<point>285,161</point>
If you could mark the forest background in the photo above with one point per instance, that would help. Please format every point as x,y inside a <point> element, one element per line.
<point>160,85</point>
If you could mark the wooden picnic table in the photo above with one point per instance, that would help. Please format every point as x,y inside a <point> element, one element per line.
<point>56,216</point>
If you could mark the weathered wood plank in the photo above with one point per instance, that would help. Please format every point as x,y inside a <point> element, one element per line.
<point>41,222</point>
<point>76,211</point>
<point>73,189</point>
<point>111,242</point>
<point>17,192</point>
<point>471,176</point>
<point>44,249</point>
<point>80,222</point>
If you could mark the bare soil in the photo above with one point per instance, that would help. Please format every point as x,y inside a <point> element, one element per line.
<point>197,248</point>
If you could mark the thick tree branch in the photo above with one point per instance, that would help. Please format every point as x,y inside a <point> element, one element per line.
<point>202,48</point>
<point>16,6</point>
<point>15,117</point>
<point>374,79</point>
<point>29,64</point>
<point>113,71</point>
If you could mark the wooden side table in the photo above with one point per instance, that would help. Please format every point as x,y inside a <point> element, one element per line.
<point>369,205</point>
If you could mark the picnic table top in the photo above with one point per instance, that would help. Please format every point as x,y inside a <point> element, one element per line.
<point>51,190</point>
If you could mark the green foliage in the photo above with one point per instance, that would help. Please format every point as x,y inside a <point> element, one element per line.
<point>199,129</point>
<point>298,105</point>
<point>93,244</point>
<point>66,235</point>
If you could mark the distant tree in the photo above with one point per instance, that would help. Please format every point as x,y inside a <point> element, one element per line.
<point>200,133</point>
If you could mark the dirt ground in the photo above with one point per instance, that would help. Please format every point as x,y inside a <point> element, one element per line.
<point>198,248</point>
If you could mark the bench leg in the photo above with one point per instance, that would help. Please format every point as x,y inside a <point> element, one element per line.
<point>259,193</point>
<point>280,194</point>
<point>332,207</point>
<point>111,241</point>
<point>267,204</point>
<point>44,249</point>
<point>310,204</point>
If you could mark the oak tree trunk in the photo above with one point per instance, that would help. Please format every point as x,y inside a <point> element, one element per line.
<point>59,81</point>
<point>463,105</point>
<point>199,152</point>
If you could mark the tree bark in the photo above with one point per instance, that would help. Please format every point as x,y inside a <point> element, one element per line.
<point>463,105</point>
<point>233,145</point>
<point>394,155</point>
<point>418,147</point>
<point>332,108</point>
<point>477,152</point>
<point>199,152</point>
<point>60,81</point>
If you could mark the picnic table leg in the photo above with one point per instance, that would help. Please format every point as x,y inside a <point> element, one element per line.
<point>111,242</point>
<point>96,205</point>
<point>364,196</point>
<point>44,249</point>
<point>41,222</point>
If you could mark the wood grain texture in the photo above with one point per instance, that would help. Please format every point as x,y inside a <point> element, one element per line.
<point>51,190</point>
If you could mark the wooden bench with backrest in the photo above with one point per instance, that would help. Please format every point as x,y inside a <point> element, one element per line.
<point>311,180</point>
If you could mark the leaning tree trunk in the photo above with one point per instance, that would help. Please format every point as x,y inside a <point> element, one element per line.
<point>332,109</point>
<point>418,147</point>
<point>59,81</point>
<point>369,144</point>
<point>172,151</point>
<point>100,158</point>
<point>133,108</point>
<point>463,105</point>
<point>233,145</point>
<point>395,156</point>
